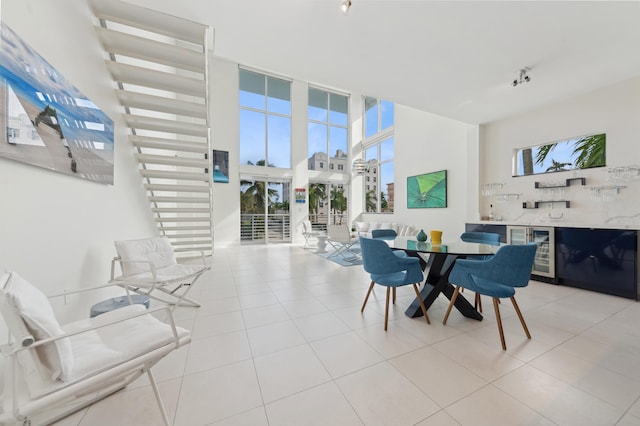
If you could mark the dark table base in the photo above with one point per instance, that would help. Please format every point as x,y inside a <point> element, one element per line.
<point>437,270</point>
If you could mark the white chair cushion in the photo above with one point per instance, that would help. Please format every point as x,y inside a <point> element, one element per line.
<point>361,226</point>
<point>119,342</point>
<point>36,311</point>
<point>157,250</point>
<point>386,225</point>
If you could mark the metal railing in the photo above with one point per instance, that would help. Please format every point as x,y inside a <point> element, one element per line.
<point>319,222</point>
<point>272,227</point>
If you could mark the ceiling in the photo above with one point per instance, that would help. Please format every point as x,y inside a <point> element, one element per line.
<point>452,58</point>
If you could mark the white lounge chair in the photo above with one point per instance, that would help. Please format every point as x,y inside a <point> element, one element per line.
<point>340,238</point>
<point>309,233</point>
<point>53,370</point>
<point>150,264</point>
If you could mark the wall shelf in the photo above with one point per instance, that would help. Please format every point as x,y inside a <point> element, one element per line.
<point>615,188</point>
<point>541,185</point>
<point>507,197</point>
<point>536,204</point>
<point>490,189</point>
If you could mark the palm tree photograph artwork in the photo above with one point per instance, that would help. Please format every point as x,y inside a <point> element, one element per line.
<point>428,190</point>
<point>576,153</point>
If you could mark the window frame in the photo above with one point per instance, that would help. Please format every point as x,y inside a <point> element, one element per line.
<point>267,114</point>
<point>376,140</point>
<point>329,125</point>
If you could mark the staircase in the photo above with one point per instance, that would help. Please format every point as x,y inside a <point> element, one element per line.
<point>159,64</point>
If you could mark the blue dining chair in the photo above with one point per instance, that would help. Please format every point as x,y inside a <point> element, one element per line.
<point>384,234</point>
<point>390,271</point>
<point>484,238</point>
<point>387,234</point>
<point>496,277</point>
<point>481,237</point>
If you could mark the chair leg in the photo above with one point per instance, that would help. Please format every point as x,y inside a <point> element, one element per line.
<point>394,295</point>
<point>478,303</point>
<point>499,321</point>
<point>367,297</point>
<point>386,309</point>
<point>524,325</point>
<point>453,300</point>
<point>156,393</point>
<point>424,309</point>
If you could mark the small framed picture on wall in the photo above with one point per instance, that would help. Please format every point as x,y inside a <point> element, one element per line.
<point>220,166</point>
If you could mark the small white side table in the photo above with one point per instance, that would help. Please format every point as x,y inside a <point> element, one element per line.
<point>118,302</point>
<point>322,244</point>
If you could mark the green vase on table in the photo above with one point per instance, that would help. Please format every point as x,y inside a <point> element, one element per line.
<point>421,236</point>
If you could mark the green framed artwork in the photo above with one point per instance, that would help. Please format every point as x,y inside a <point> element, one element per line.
<point>428,190</point>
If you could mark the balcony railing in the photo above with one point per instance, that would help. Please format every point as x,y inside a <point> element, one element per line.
<point>272,227</point>
<point>319,221</point>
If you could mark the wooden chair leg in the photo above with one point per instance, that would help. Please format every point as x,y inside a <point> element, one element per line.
<point>367,296</point>
<point>524,325</point>
<point>424,309</point>
<point>478,303</point>
<point>453,300</point>
<point>386,309</point>
<point>499,321</point>
<point>394,295</point>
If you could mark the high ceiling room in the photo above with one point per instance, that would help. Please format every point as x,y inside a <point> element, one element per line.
<point>452,58</point>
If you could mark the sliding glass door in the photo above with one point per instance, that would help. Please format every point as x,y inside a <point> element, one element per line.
<point>264,211</point>
<point>328,204</point>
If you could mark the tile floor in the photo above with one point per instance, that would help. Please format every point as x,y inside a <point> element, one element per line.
<point>279,340</point>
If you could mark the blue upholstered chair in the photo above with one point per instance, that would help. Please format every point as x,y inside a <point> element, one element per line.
<point>390,271</point>
<point>483,238</point>
<point>387,234</point>
<point>496,277</point>
<point>384,234</point>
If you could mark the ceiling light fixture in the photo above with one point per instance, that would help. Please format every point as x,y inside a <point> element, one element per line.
<point>346,4</point>
<point>524,78</point>
<point>359,166</point>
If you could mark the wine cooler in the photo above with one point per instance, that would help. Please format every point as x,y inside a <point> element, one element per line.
<point>544,263</point>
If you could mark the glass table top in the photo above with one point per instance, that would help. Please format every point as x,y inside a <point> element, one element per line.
<point>447,247</point>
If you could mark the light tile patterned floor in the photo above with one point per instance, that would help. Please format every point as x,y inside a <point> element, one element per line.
<point>280,340</point>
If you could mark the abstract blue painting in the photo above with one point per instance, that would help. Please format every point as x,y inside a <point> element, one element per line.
<point>46,121</point>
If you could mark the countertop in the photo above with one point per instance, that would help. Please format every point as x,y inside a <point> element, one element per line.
<point>556,224</point>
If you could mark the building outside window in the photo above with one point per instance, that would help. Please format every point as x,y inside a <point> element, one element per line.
<point>379,153</point>
<point>265,120</point>
<point>328,121</point>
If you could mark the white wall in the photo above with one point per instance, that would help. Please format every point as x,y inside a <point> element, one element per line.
<point>225,130</point>
<point>56,230</point>
<point>426,143</point>
<point>614,110</point>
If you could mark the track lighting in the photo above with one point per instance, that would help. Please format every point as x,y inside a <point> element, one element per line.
<point>346,4</point>
<point>524,78</point>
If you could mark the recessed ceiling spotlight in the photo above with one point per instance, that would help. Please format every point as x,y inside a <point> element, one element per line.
<point>346,4</point>
<point>524,78</point>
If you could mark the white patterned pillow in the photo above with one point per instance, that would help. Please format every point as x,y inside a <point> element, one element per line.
<point>157,250</point>
<point>361,226</point>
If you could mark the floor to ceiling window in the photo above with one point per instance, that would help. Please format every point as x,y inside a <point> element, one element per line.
<point>328,120</point>
<point>265,141</point>
<point>265,120</point>
<point>379,153</point>
<point>328,157</point>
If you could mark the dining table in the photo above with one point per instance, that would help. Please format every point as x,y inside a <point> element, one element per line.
<point>437,268</point>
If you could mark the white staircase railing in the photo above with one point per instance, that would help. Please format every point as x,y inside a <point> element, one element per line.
<point>160,66</point>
